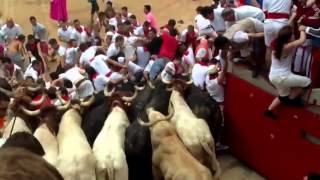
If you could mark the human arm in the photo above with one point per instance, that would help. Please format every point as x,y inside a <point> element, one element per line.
<point>292,45</point>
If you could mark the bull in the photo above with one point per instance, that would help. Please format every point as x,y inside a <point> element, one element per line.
<point>137,140</point>
<point>75,160</point>
<point>194,133</point>
<point>111,159</point>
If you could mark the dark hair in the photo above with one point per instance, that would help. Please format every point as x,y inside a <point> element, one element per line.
<point>111,27</point>
<point>220,42</point>
<point>30,37</point>
<point>146,23</point>
<point>21,37</point>
<point>32,18</point>
<point>51,92</point>
<point>227,12</point>
<point>24,140</point>
<point>35,62</point>
<point>53,41</point>
<point>76,20</point>
<point>90,71</point>
<point>205,11</point>
<point>133,17</point>
<point>198,9</point>
<point>54,75</point>
<point>173,32</point>
<point>119,38</point>
<point>109,3</point>
<point>124,8</point>
<point>67,83</point>
<point>83,47</point>
<point>6,60</point>
<point>128,23</point>
<point>147,7</point>
<point>283,38</point>
<point>99,52</point>
<point>172,22</point>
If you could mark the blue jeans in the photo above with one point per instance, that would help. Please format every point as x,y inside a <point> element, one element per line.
<point>157,67</point>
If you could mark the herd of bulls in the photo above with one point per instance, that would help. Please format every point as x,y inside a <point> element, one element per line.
<point>155,131</point>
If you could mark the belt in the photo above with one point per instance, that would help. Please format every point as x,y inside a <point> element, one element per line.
<point>277,16</point>
<point>80,82</point>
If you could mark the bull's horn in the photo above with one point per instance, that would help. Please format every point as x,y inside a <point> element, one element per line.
<point>6,92</point>
<point>148,124</point>
<point>151,85</point>
<point>139,88</point>
<point>166,82</point>
<point>58,94</point>
<point>40,101</point>
<point>88,102</point>
<point>128,99</point>
<point>189,82</point>
<point>34,89</point>
<point>108,93</point>
<point>29,112</point>
<point>64,107</point>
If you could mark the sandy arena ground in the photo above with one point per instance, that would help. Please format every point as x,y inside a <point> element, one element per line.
<point>162,9</point>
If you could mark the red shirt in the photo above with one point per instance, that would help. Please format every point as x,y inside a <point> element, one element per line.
<point>169,46</point>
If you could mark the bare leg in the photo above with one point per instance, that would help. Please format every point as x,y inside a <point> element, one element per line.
<point>274,104</point>
<point>268,57</point>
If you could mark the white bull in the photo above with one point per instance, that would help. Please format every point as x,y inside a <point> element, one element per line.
<point>108,147</point>
<point>48,142</point>
<point>171,160</point>
<point>75,161</point>
<point>194,133</point>
<point>16,124</point>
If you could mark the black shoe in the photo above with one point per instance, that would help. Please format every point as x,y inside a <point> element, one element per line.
<point>270,114</point>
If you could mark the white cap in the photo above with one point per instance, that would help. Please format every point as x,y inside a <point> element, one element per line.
<point>240,37</point>
<point>201,53</point>
<point>121,60</point>
<point>212,69</point>
<point>109,33</point>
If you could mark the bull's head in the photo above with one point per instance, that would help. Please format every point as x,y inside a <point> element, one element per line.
<point>155,117</point>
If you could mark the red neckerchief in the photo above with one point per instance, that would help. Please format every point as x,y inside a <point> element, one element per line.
<point>146,32</point>
<point>66,97</point>
<point>145,48</point>
<point>213,76</point>
<point>202,63</point>
<point>186,53</point>
<point>91,59</point>
<point>87,32</point>
<point>94,76</point>
<point>79,29</point>
<point>109,74</point>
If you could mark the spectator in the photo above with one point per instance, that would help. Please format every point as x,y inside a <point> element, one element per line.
<point>288,85</point>
<point>11,30</point>
<point>39,31</point>
<point>149,16</point>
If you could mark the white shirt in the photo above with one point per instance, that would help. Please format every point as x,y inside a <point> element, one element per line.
<point>198,75</point>
<point>143,57</point>
<point>148,67</point>
<point>72,74</point>
<point>218,22</point>
<point>87,55</point>
<point>13,32</point>
<point>139,31</point>
<point>243,12</point>
<point>214,89</point>
<point>184,33</point>
<point>65,34</point>
<point>100,82</point>
<point>71,54</point>
<point>39,31</point>
<point>277,6</point>
<point>100,65</point>
<point>202,23</point>
<point>280,67</point>
<point>62,51</point>
<point>31,72</point>
<point>79,37</point>
<point>113,50</point>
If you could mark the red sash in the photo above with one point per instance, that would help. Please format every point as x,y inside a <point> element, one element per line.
<point>202,63</point>
<point>109,74</point>
<point>277,16</point>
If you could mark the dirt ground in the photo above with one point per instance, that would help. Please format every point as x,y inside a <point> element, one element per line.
<point>162,9</point>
